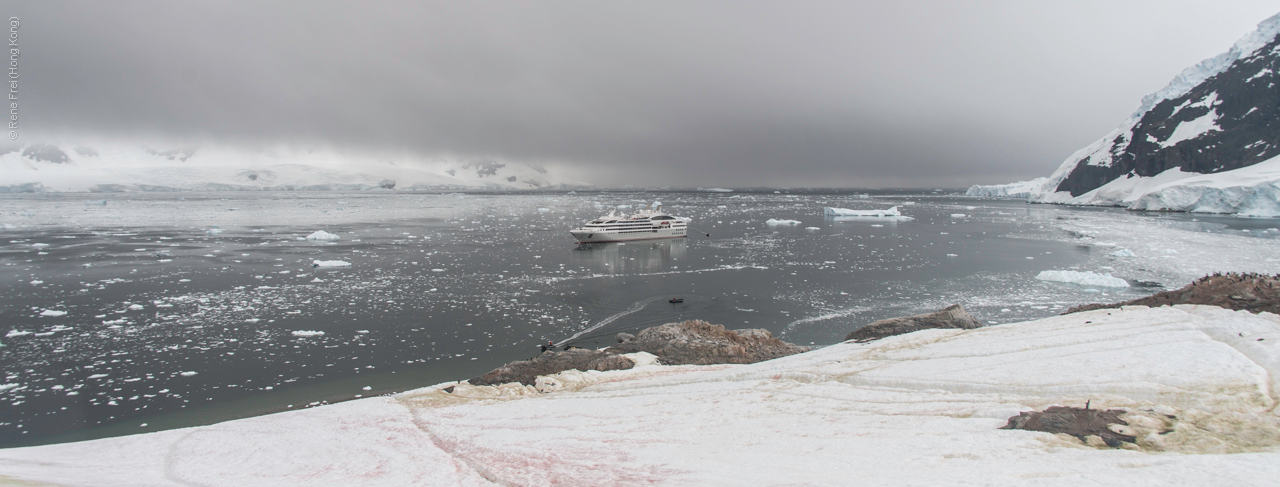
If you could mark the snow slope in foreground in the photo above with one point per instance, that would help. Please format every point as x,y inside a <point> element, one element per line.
<point>917,409</point>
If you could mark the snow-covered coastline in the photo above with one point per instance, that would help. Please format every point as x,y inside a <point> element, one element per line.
<point>1248,191</point>
<point>1201,144</point>
<point>916,409</point>
<point>125,167</point>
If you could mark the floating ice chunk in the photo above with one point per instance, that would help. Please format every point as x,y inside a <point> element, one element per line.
<point>813,228</point>
<point>36,283</point>
<point>774,221</point>
<point>95,203</point>
<point>52,313</point>
<point>5,387</point>
<point>97,376</point>
<point>544,210</point>
<point>828,211</point>
<point>1122,253</point>
<point>135,307</point>
<point>959,215</point>
<point>307,333</point>
<point>39,245</point>
<point>188,373</point>
<point>322,235</point>
<point>1086,278</point>
<point>437,270</point>
<point>16,333</point>
<point>330,263</point>
<point>213,231</point>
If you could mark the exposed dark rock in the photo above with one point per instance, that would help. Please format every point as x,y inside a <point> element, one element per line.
<point>387,184</point>
<point>1250,292</point>
<point>953,316</point>
<point>485,168</point>
<point>527,371</point>
<point>45,152</point>
<point>1246,110</point>
<point>1076,422</point>
<point>181,154</point>
<point>696,342</point>
<point>693,342</point>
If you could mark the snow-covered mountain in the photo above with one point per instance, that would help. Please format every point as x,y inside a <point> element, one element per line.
<point>39,167</point>
<point>1207,142</point>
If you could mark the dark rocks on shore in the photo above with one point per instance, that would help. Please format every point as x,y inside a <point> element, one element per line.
<point>696,342</point>
<point>693,342</point>
<point>1250,292</point>
<point>527,371</point>
<point>1077,422</point>
<point>953,316</point>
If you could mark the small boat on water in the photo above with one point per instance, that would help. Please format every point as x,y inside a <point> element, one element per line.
<point>649,223</point>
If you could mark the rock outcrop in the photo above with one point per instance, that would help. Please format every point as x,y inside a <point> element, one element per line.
<point>696,342</point>
<point>1249,292</point>
<point>693,342</point>
<point>953,316</point>
<point>527,371</point>
<point>1080,423</point>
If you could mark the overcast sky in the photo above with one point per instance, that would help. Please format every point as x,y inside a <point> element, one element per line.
<point>734,93</point>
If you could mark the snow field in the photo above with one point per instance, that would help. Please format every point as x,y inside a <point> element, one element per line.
<point>917,409</point>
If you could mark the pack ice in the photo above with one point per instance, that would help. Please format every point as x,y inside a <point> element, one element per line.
<point>1197,383</point>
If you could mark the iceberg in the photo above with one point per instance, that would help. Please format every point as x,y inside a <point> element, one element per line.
<point>322,235</point>
<point>773,222</point>
<point>829,211</point>
<point>1086,278</point>
<point>1020,189</point>
<point>330,263</point>
<point>889,214</point>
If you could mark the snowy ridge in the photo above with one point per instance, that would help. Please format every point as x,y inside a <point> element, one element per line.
<point>119,167</point>
<point>1193,76</point>
<point>1208,120</point>
<point>916,409</point>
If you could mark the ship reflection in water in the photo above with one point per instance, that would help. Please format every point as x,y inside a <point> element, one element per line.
<point>629,257</point>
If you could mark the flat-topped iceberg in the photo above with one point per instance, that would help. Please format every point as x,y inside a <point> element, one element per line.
<point>330,263</point>
<point>892,213</point>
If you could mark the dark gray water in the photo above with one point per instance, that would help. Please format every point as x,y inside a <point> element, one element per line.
<point>170,322</point>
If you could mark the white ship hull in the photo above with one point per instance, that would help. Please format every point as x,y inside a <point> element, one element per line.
<point>595,236</point>
<point>647,224</point>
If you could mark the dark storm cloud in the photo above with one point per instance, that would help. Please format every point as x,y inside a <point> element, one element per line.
<point>655,93</point>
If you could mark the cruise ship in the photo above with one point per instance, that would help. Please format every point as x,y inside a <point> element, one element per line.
<point>645,224</point>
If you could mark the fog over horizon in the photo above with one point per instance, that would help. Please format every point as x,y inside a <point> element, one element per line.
<point>683,94</point>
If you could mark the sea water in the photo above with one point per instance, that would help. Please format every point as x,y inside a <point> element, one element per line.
<point>142,312</point>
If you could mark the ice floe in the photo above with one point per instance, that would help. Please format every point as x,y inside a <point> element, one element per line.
<point>330,263</point>
<point>773,221</point>
<point>1086,278</point>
